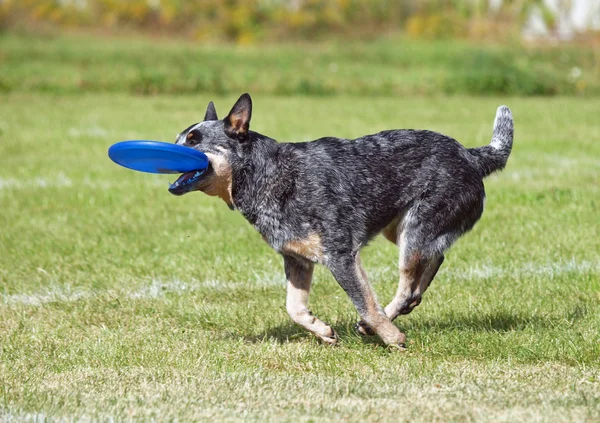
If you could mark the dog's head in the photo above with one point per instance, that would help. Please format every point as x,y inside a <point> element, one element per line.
<point>220,140</point>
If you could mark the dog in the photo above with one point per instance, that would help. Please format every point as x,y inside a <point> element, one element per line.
<point>322,201</point>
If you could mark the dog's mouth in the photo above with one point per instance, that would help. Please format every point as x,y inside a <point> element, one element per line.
<point>189,182</point>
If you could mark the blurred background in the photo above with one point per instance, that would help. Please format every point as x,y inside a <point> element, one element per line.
<point>302,47</point>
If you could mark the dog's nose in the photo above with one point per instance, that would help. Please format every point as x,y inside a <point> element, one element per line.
<point>177,190</point>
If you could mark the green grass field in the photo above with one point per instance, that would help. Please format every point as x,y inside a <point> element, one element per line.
<point>119,301</point>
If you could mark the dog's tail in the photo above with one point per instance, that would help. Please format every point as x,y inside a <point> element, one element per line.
<point>493,157</point>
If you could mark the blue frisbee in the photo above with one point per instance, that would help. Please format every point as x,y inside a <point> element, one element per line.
<point>157,157</point>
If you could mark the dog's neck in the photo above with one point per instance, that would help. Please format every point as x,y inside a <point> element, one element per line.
<point>255,174</point>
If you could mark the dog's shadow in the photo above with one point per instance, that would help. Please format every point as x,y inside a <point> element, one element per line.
<point>290,332</point>
<point>501,322</point>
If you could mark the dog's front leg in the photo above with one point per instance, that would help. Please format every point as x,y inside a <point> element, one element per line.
<point>299,277</point>
<point>352,278</point>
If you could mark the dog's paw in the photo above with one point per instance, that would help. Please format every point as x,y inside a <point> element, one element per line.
<point>400,346</point>
<point>329,337</point>
<point>363,329</point>
<point>409,308</point>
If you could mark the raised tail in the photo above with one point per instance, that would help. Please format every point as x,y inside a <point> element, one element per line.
<point>493,157</point>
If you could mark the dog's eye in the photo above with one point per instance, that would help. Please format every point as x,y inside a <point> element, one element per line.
<point>193,138</point>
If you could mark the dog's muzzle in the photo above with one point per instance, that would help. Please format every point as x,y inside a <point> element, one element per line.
<point>187,182</point>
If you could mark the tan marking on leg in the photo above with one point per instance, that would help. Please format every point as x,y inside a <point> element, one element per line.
<point>299,276</point>
<point>368,294</point>
<point>219,183</point>
<point>411,270</point>
<point>429,272</point>
<point>310,248</point>
<point>375,317</point>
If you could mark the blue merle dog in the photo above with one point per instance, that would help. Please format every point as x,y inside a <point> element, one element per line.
<point>322,201</point>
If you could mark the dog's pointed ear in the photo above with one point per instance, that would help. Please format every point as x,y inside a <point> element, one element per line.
<point>237,121</point>
<point>211,112</point>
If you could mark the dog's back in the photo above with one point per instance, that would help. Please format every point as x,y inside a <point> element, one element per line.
<point>369,182</point>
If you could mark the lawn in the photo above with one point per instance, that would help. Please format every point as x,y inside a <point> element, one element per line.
<point>119,301</point>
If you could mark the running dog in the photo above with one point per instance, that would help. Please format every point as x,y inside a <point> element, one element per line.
<point>322,201</point>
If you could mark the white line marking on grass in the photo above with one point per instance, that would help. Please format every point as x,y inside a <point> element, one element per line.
<point>50,295</point>
<point>528,269</point>
<point>17,416</point>
<point>158,288</point>
<point>9,417</point>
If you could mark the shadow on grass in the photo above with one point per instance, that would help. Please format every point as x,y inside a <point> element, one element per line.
<point>501,321</point>
<point>290,332</point>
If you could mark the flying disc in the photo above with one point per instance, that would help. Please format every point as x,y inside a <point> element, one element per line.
<point>157,157</point>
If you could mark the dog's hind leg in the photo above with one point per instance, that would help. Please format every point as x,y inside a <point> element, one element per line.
<point>299,277</point>
<point>417,270</point>
<point>348,271</point>
<point>423,234</point>
<point>416,274</point>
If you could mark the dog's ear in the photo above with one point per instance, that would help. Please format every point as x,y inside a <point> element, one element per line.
<point>237,121</point>
<point>211,112</point>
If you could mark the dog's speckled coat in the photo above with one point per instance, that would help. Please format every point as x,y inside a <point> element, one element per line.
<point>322,201</point>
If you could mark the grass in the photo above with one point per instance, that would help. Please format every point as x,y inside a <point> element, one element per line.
<point>120,301</point>
<point>388,67</point>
